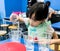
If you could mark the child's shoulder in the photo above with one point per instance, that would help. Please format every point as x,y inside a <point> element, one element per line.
<point>48,22</point>
<point>45,24</point>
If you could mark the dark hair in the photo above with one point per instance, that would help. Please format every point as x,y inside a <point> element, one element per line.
<point>40,9</point>
<point>33,2</point>
<point>48,3</point>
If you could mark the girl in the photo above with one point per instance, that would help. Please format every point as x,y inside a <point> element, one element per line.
<point>36,23</point>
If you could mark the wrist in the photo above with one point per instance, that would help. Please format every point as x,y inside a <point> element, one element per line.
<point>18,18</point>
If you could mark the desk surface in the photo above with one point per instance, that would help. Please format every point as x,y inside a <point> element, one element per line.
<point>36,46</point>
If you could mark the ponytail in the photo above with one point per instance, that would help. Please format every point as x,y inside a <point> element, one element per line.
<point>46,8</point>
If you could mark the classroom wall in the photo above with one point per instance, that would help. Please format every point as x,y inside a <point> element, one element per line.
<point>2,9</point>
<point>15,6</point>
<point>55,4</point>
<point>9,6</point>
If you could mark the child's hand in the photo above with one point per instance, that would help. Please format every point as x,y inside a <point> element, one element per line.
<point>13,17</point>
<point>53,41</point>
<point>30,38</point>
<point>33,40</point>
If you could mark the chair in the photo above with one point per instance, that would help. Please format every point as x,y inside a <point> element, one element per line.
<point>55,18</point>
<point>5,27</point>
<point>55,36</point>
<point>53,47</point>
<point>2,33</point>
<point>57,30</point>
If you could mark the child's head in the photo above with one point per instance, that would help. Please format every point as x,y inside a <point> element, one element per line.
<point>39,12</point>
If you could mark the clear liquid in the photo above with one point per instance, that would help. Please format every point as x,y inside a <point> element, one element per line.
<point>29,46</point>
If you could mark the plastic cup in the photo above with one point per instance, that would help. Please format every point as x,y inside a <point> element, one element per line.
<point>14,36</point>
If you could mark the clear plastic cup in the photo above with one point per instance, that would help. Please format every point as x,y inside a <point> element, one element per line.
<point>45,39</point>
<point>14,36</point>
<point>29,45</point>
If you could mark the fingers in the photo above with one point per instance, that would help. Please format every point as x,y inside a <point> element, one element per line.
<point>36,41</point>
<point>13,17</point>
<point>30,38</point>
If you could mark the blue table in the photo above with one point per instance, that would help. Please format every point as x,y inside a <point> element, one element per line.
<point>36,46</point>
<point>56,25</point>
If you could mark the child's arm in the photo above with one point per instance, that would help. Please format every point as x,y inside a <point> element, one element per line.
<point>55,36</point>
<point>15,16</point>
<point>50,14</point>
<point>51,41</point>
<point>55,41</point>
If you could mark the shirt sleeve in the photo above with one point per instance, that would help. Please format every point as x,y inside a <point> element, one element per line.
<point>50,30</point>
<point>26,21</point>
